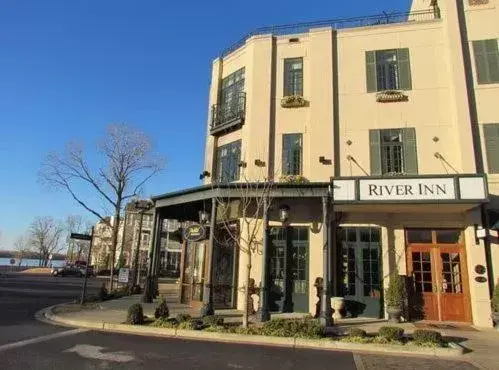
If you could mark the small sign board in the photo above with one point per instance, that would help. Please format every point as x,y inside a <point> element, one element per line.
<point>12,261</point>
<point>124,275</point>
<point>81,236</point>
<point>194,233</point>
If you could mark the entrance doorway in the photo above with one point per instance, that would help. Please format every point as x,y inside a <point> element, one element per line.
<point>361,270</point>
<point>193,273</point>
<point>296,240</point>
<point>436,262</point>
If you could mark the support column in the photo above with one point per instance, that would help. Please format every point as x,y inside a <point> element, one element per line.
<point>207,309</point>
<point>263,313</point>
<point>326,311</point>
<point>288,299</point>
<point>147,297</point>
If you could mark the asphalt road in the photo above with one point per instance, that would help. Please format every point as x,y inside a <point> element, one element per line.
<point>29,344</point>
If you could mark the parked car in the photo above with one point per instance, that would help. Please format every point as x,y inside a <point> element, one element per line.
<point>67,271</point>
<point>89,270</point>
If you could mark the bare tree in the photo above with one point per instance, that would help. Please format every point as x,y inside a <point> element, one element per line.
<point>45,236</point>
<point>127,164</point>
<point>240,224</point>
<point>21,248</point>
<point>76,248</point>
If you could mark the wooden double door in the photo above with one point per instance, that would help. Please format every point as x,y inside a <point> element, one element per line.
<point>195,272</point>
<point>436,261</point>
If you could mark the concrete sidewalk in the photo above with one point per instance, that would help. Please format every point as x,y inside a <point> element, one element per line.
<point>482,346</point>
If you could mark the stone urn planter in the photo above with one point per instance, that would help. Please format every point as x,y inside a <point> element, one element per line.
<point>338,305</point>
<point>394,314</point>
<point>395,296</point>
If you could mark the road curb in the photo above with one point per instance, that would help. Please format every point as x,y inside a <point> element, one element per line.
<point>319,344</point>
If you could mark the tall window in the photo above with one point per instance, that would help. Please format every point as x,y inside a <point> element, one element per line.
<point>231,86</point>
<point>393,151</point>
<point>231,101</point>
<point>491,134</point>
<point>487,61</point>
<point>292,154</point>
<point>388,70</point>
<point>293,76</point>
<point>228,159</point>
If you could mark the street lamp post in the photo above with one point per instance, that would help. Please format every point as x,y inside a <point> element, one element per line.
<point>90,238</point>
<point>144,206</point>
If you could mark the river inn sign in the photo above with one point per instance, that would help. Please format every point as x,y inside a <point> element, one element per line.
<point>400,189</point>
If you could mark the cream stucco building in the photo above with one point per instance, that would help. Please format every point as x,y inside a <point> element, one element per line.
<point>381,136</point>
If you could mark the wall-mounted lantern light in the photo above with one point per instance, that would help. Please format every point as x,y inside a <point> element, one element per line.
<point>284,213</point>
<point>204,174</point>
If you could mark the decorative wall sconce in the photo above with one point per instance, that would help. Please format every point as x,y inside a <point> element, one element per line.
<point>204,217</point>
<point>323,160</point>
<point>283,213</point>
<point>259,163</point>
<point>204,174</point>
<point>242,164</point>
<point>349,142</point>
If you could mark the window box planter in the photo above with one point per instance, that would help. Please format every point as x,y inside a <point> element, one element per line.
<point>391,96</point>
<point>293,101</point>
<point>293,179</point>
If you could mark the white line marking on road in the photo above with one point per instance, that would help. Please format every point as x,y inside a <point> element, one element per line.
<point>358,362</point>
<point>44,338</point>
<point>89,351</point>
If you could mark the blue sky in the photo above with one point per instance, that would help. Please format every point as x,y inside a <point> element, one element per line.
<point>69,68</point>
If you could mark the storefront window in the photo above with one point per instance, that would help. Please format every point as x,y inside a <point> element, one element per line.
<point>448,236</point>
<point>422,236</point>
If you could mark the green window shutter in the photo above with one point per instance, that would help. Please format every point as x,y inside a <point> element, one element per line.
<point>482,70</point>
<point>375,151</point>
<point>491,134</point>
<point>371,71</point>
<point>492,50</point>
<point>410,151</point>
<point>404,67</point>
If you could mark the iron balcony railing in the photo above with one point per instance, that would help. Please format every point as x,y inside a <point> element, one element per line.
<point>341,23</point>
<point>229,113</point>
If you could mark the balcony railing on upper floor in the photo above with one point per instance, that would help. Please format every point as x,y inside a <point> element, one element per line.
<point>228,116</point>
<point>340,23</point>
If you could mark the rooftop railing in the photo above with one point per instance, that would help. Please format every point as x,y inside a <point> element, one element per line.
<point>341,23</point>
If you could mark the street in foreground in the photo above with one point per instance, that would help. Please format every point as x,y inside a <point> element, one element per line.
<point>28,344</point>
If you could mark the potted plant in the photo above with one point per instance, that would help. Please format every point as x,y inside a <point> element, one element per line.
<point>394,297</point>
<point>495,305</point>
<point>293,101</point>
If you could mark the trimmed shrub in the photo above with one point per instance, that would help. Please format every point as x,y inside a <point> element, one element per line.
<point>357,332</point>
<point>395,294</point>
<point>162,311</point>
<point>136,289</point>
<point>213,320</point>
<point>391,333</point>
<point>191,324</point>
<point>181,317</point>
<point>307,327</point>
<point>135,314</point>
<point>495,298</point>
<point>103,292</point>
<point>165,323</point>
<point>427,336</point>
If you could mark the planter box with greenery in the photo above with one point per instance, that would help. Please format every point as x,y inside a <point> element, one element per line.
<point>293,101</point>
<point>395,296</point>
<point>293,179</point>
